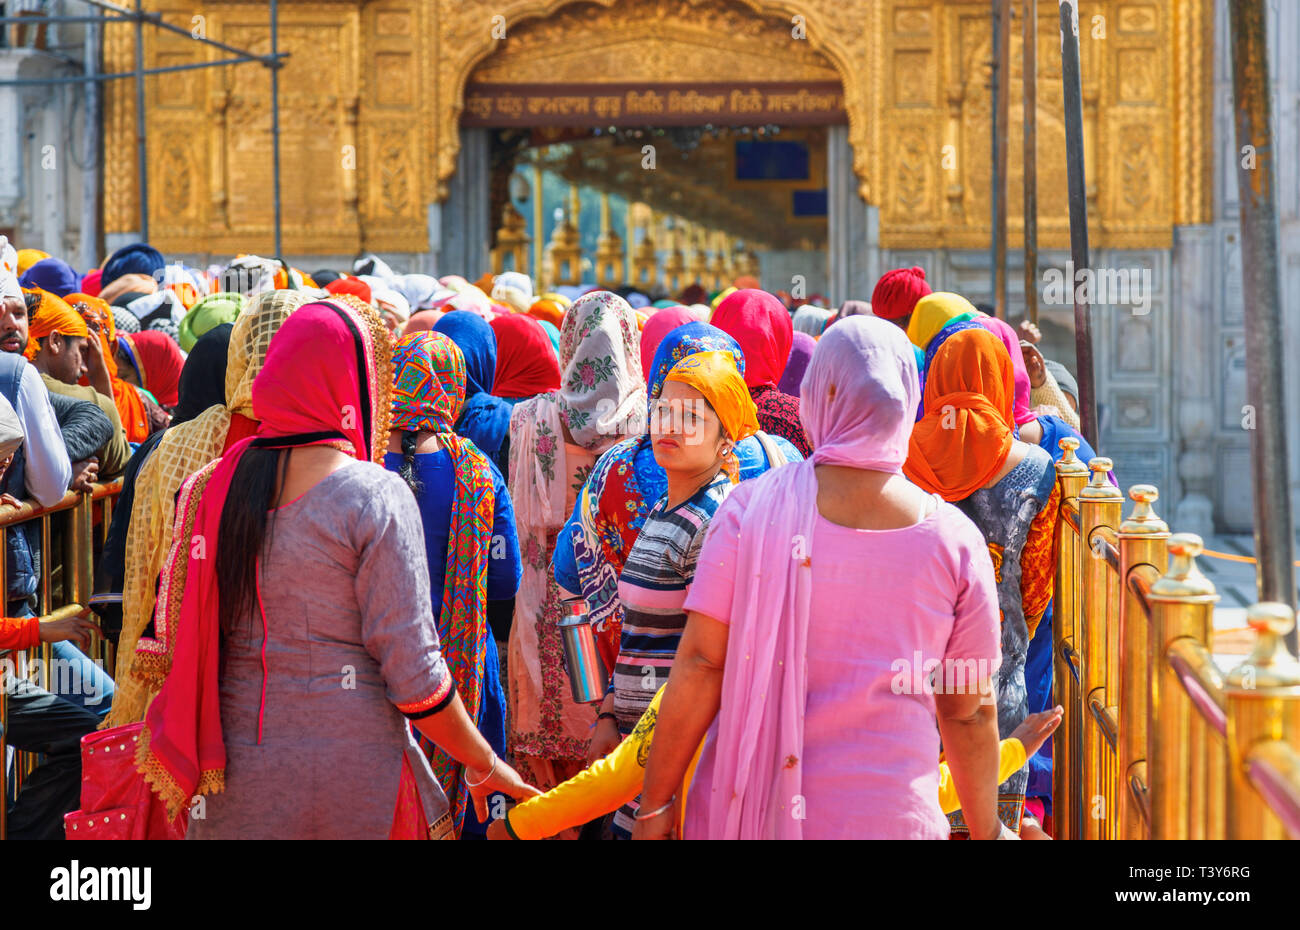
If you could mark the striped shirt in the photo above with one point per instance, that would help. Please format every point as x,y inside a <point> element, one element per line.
<point>652,588</point>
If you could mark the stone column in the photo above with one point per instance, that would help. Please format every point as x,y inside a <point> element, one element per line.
<point>458,227</point>
<point>854,226</point>
<point>1193,360</point>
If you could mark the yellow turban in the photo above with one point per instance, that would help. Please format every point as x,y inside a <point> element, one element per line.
<point>935,311</point>
<point>53,315</point>
<point>714,375</point>
<point>29,257</point>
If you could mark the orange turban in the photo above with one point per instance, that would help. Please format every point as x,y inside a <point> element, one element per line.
<point>714,375</point>
<point>965,436</point>
<point>52,315</point>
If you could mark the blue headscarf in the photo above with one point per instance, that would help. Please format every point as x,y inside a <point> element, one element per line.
<point>478,343</point>
<point>553,334</point>
<point>136,258</point>
<point>939,339</point>
<point>53,275</point>
<point>685,340</point>
<point>484,420</point>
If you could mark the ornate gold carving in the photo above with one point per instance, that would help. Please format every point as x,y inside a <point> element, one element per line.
<point>914,74</point>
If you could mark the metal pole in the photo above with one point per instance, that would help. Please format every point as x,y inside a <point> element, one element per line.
<point>90,176</point>
<point>274,65</point>
<point>1261,291</point>
<point>1072,82</point>
<point>1030,69</point>
<point>141,143</point>
<point>1001,138</point>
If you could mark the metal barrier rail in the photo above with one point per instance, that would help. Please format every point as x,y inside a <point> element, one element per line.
<point>63,590</point>
<point>1156,741</point>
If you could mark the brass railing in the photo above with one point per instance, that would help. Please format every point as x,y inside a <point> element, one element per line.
<point>1156,742</point>
<point>69,542</point>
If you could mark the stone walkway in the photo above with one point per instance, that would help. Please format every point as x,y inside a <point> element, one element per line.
<point>1235,582</point>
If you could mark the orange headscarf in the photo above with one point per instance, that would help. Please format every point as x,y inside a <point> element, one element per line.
<point>714,375</point>
<point>53,315</point>
<point>965,436</point>
<point>130,405</point>
<point>547,310</point>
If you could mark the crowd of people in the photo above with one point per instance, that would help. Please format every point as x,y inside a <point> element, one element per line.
<point>814,547</point>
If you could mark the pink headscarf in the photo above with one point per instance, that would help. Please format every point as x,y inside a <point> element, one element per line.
<point>422,321</point>
<point>1020,410</point>
<point>858,405</point>
<point>660,324</point>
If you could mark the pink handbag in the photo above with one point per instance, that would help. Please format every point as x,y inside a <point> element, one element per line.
<point>116,803</point>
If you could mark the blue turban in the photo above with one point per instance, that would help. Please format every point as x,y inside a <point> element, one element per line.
<point>137,258</point>
<point>53,275</point>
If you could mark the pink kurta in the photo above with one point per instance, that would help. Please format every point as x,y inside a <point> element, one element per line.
<point>884,605</point>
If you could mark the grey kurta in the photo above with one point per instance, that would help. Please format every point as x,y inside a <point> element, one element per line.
<point>349,634</point>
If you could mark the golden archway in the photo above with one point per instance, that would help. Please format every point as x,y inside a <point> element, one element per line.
<point>811,29</point>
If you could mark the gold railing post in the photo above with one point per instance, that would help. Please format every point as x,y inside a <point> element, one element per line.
<point>1066,804</point>
<point>1182,604</point>
<point>1099,505</point>
<point>1141,542</point>
<point>1263,694</point>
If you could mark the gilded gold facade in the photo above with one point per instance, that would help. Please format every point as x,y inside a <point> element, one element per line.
<point>373,92</point>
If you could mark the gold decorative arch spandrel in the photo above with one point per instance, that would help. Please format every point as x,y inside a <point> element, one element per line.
<point>839,30</point>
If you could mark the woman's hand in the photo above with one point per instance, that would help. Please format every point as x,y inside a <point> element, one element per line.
<point>503,779</point>
<point>661,826</point>
<point>1029,332</point>
<point>604,741</point>
<point>77,629</point>
<point>1036,728</point>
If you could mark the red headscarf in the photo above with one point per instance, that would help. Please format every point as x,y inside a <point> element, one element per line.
<point>526,363</point>
<point>159,361</point>
<point>311,373</point>
<point>757,321</point>
<point>354,286</point>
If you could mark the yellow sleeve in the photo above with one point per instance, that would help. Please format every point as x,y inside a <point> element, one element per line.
<point>1011,759</point>
<point>604,786</point>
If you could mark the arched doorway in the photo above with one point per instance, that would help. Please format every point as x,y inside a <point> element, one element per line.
<point>723,115</point>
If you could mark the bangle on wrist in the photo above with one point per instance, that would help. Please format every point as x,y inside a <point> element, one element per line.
<point>657,811</point>
<point>606,715</point>
<point>491,771</point>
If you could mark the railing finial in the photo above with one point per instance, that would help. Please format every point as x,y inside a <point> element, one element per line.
<point>1183,580</point>
<point>1069,463</point>
<point>1099,488</point>
<point>1143,521</point>
<point>1270,664</point>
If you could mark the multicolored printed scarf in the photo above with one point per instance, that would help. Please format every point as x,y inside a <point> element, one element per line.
<point>428,393</point>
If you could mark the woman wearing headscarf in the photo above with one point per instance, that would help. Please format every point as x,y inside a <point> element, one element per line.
<point>485,418</point>
<point>549,308</point>
<point>612,506</point>
<point>470,544</point>
<point>555,439</point>
<point>311,570</point>
<point>184,449</point>
<point>935,311</point>
<point>660,324</point>
<point>526,366</point>
<point>422,321</point>
<point>203,385</point>
<point>964,449</point>
<point>703,410</point>
<point>801,353</point>
<point>553,334</point>
<point>811,320</point>
<point>762,326</point>
<point>152,361</point>
<point>813,581</point>
<point>209,312</point>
